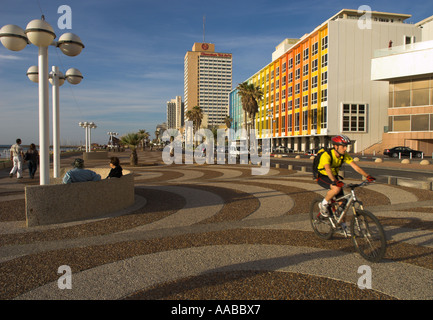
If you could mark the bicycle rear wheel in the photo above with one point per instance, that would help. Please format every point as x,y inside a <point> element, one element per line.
<point>321,226</point>
<point>368,236</point>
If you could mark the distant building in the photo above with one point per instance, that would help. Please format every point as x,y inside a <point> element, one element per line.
<point>175,113</point>
<point>207,82</point>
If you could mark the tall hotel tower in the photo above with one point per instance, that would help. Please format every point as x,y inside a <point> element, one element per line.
<point>207,82</point>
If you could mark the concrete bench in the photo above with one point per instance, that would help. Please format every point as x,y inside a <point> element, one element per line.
<point>59,203</point>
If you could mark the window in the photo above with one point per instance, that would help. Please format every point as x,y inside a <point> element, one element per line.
<point>297,121</point>
<point>297,74</point>
<point>314,65</point>
<point>420,122</point>
<point>324,118</point>
<point>305,101</point>
<point>325,43</point>
<point>297,88</point>
<point>324,96</point>
<point>314,82</point>
<point>305,70</point>
<point>290,63</point>
<point>314,119</point>
<point>284,67</point>
<point>305,120</point>
<point>305,85</point>
<point>354,117</point>
<point>324,78</point>
<point>315,49</point>
<point>306,52</point>
<point>314,98</point>
<point>298,59</point>
<point>324,60</point>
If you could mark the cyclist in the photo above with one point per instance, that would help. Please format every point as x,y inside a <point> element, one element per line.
<point>328,168</point>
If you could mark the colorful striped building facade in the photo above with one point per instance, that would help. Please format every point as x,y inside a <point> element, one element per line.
<point>320,85</point>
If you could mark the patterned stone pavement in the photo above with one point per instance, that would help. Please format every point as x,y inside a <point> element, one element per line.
<point>214,232</point>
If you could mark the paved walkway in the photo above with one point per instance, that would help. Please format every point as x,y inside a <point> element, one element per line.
<point>214,232</point>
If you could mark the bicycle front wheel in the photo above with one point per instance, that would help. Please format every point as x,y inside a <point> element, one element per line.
<point>368,236</point>
<point>321,226</point>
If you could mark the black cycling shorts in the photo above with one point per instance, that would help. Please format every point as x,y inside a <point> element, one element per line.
<point>326,183</point>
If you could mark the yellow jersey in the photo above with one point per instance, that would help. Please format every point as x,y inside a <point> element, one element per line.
<point>335,162</point>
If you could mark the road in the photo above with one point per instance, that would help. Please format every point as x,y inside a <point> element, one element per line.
<point>381,174</point>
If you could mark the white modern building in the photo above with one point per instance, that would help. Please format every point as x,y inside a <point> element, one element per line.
<point>407,72</point>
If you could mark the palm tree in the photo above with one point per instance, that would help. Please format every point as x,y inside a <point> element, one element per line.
<point>132,140</point>
<point>250,95</point>
<point>196,116</point>
<point>145,136</point>
<point>228,121</point>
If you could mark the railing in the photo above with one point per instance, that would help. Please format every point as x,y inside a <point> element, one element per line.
<point>417,46</point>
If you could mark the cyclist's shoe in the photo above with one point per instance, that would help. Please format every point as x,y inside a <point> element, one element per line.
<point>324,210</point>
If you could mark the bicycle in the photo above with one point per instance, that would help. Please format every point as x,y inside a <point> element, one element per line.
<point>366,231</point>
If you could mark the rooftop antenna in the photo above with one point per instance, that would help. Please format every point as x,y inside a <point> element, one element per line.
<point>204,21</point>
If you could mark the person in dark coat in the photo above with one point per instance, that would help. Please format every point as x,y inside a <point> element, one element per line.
<point>116,169</point>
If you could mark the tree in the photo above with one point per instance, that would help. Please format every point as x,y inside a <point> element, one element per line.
<point>250,95</point>
<point>228,121</point>
<point>145,136</point>
<point>132,140</point>
<point>196,116</point>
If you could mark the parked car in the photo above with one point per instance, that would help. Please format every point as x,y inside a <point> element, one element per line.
<point>404,151</point>
<point>312,152</point>
<point>282,149</point>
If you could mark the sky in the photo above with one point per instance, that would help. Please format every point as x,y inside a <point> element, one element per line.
<point>134,51</point>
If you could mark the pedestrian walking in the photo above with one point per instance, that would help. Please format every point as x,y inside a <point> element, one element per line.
<point>17,156</point>
<point>32,158</point>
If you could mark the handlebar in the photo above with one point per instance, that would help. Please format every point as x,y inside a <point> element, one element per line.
<point>363,183</point>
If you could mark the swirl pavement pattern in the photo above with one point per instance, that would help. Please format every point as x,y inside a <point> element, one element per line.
<point>215,232</point>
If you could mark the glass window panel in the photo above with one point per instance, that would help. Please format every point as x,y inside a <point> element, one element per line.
<point>420,122</point>
<point>401,123</point>
<point>391,100</point>
<point>420,97</point>
<point>402,86</point>
<point>361,124</point>
<point>420,84</point>
<point>390,121</point>
<point>431,122</point>
<point>346,108</point>
<point>345,123</point>
<point>354,108</point>
<point>402,99</point>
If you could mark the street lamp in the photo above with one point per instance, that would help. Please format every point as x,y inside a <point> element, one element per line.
<point>88,126</point>
<point>92,125</point>
<point>41,34</point>
<point>111,134</point>
<point>57,79</point>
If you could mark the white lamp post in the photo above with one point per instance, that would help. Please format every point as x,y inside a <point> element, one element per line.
<point>41,34</point>
<point>88,126</point>
<point>56,79</point>
<point>111,134</point>
<point>92,125</point>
